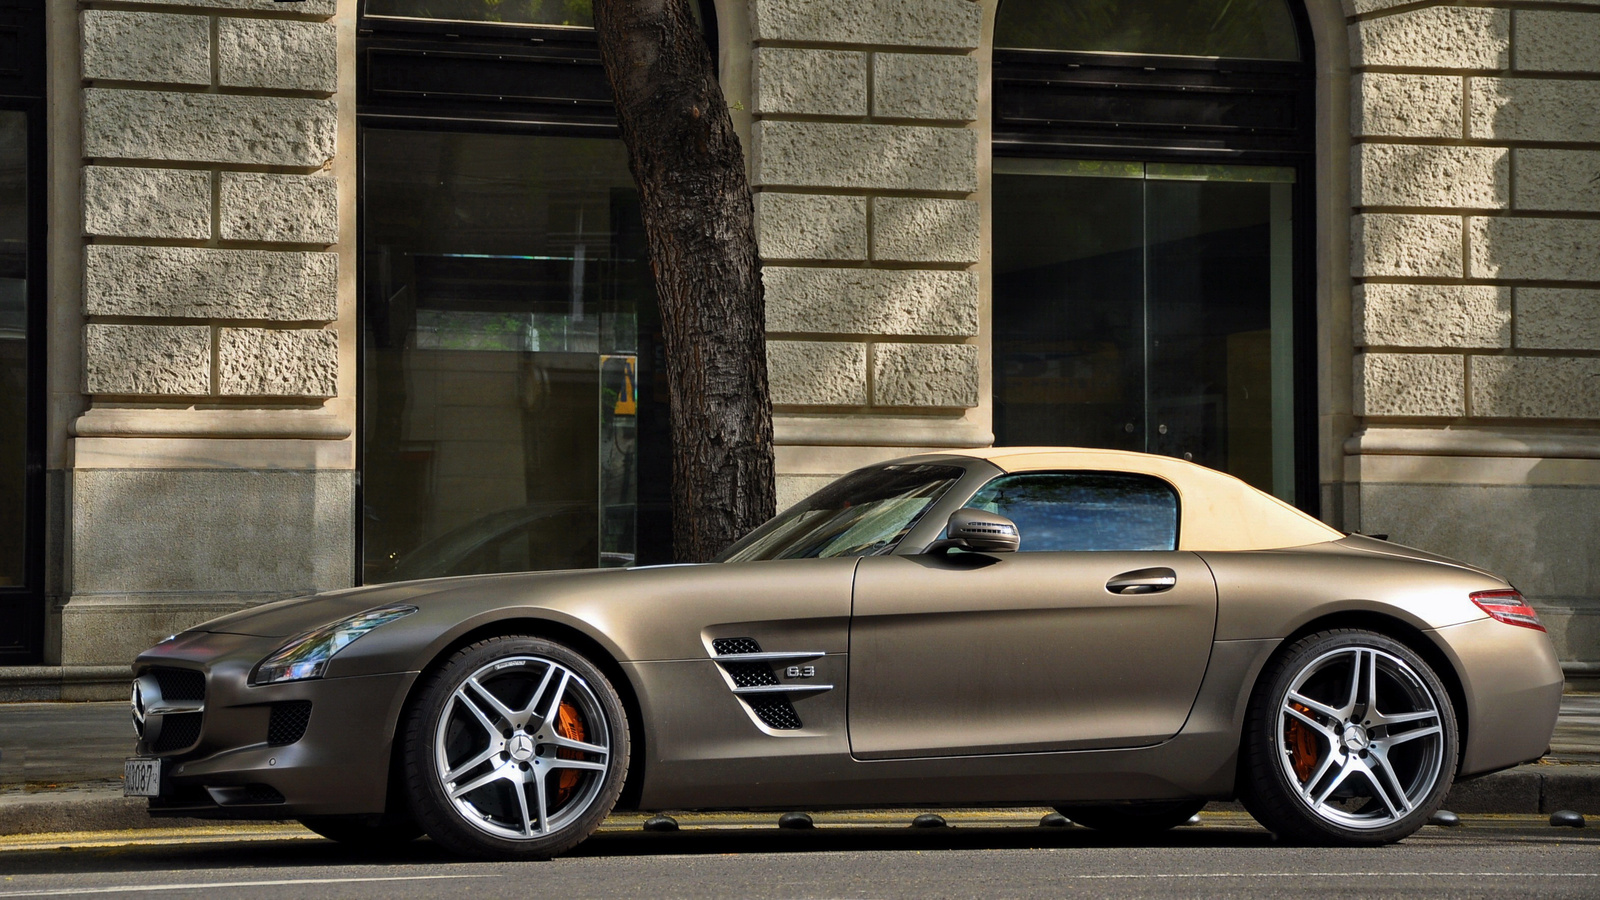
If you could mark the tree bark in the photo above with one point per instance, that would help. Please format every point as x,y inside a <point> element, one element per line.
<point>700,227</point>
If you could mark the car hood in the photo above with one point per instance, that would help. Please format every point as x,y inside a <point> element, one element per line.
<point>285,618</point>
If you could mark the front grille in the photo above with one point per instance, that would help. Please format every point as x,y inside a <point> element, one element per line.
<point>750,674</point>
<point>288,721</point>
<point>725,646</point>
<point>776,713</point>
<point>180,684</point>
<point>178,731</point>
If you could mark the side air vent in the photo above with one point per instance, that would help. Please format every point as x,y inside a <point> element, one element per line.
<point>776,713</point>
<point>288,721</point>
<point>727,646</point>
<point>750,674</point>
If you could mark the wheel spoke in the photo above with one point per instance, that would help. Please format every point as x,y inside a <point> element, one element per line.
<point>472,763</point>
<point>570,744</point>
<point>544,803</point>
<point>1322,770</point>
<point>559,763</point>
<point>1404,718</point>
<point>1386,786</point>
<point>1370,676</point>
<point>522,803</point>
<point>522,716</point>
<point>541,721</point>
<point>1355,684</point>
<point>462,699</point>
<point>1322,729</point>
<point>497,772</point>
<point>1344,772</point>
<point>1315,706</point>
<point>500,709</point>
<point>1401,738</point>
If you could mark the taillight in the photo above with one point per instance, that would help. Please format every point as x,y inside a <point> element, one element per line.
<point>1508,607</point>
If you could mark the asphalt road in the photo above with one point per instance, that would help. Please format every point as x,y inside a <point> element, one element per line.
<point>1224,856</point>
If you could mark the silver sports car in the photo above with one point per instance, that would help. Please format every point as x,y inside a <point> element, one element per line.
<point>1121,636</point>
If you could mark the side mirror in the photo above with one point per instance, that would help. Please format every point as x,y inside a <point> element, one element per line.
<point>979,531</point>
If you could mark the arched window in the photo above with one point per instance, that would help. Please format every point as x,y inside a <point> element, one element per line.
<point>512,417</point>
<point>1152,180</point>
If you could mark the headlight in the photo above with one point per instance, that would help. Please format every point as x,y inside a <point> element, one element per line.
<point>307,655</point>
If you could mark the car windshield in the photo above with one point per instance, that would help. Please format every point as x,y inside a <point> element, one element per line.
<point>862,514</point>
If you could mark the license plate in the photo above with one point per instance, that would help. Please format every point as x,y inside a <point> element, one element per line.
<point>141,777</point>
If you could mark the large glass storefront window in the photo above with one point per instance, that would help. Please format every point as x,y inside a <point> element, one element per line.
<point>509,414</point>
<point>14,393</point>
<point>1147,307</point>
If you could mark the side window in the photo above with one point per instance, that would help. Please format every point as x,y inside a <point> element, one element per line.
<point>1085,510</point>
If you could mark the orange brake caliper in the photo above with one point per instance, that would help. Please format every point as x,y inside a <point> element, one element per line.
<point>569,726</point>
<point>1303,745</point>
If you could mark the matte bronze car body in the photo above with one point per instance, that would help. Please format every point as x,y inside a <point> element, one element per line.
<point>913,677</point>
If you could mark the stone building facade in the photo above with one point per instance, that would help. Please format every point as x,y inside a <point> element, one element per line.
<point>202,382</point>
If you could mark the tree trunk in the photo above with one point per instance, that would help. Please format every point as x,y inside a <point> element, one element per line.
<point>700,226</point>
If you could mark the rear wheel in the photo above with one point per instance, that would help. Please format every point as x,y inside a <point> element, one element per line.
<point>517,749</point>
<point>1133,819</point>
<point>1350,740</point>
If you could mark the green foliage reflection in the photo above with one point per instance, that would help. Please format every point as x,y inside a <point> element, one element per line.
<point>1242,29</point>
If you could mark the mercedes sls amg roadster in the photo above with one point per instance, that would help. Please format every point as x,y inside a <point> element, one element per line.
<point>1120,636</point>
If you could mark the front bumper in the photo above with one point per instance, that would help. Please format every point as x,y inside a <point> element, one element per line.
<point>248,757</point>
<point>1512,681</point>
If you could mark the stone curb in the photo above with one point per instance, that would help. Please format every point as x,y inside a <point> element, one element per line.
<point>1528,790</point>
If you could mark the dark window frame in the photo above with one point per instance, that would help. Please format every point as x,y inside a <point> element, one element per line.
<point>1177,502</point>
<point>22,90</point>
<point>1176,127</point>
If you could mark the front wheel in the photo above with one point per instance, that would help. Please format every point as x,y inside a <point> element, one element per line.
<point>1350,740</point>
<point>517,749</point>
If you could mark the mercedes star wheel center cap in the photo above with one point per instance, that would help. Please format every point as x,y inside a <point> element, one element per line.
<point>520,747</point>
<point>1355,737</point>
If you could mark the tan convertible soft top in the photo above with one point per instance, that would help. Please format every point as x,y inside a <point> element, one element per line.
<point>1219,512</point>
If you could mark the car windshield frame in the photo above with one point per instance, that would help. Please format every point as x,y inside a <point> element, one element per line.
<point>868,512</point>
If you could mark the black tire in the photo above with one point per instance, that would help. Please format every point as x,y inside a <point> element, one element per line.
<point>366,833</point>
<point>1133,819</point>
<point>1361,754</point>
<point>564,704</point>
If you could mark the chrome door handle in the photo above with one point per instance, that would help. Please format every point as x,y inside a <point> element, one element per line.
<point>1143,581</point>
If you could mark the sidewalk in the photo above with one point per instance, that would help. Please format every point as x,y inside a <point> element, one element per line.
<point>61,769</point>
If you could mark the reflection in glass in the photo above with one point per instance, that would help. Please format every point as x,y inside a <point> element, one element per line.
<point>1147,308</point>
<point>1239,29</point>
<point>510,12</point>
<point>1056,511</point>
<point>509,419</point>
<point>13,345</point>
<point>864,513</point>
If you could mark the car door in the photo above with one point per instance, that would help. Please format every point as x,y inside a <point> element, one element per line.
<point>1094,635</point>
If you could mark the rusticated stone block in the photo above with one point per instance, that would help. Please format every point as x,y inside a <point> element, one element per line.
<point>817,82</point>
<point>1558,318</point>
<point>297,208</point>
<point>1557,41</point>
<point>811,373</point>
<point>152,203</point>
<point>200,283</point>
<point>275,53</point>
<point>916,229</point>
<point>924,86</point>
<point>1409,384</point>
<point>1384,104</point>
<point>870,301</point>
<point>1438,37</point>
<point>1388,244</point>
<point>903,23</point>
<point>322,8</point>
<point>811,226</point>
<point>1544,249</point>
<point>265,362</point>
<point>1417,175</point>
<point>152,360</point>
<point>925,375</point>
<point>1527,387</point>
<point>1432,315</point>
<point>890,157</point>
<point>222,128</point>
<point>1558,179</point>
<point>1535,109</point>
<point>145,46</point>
